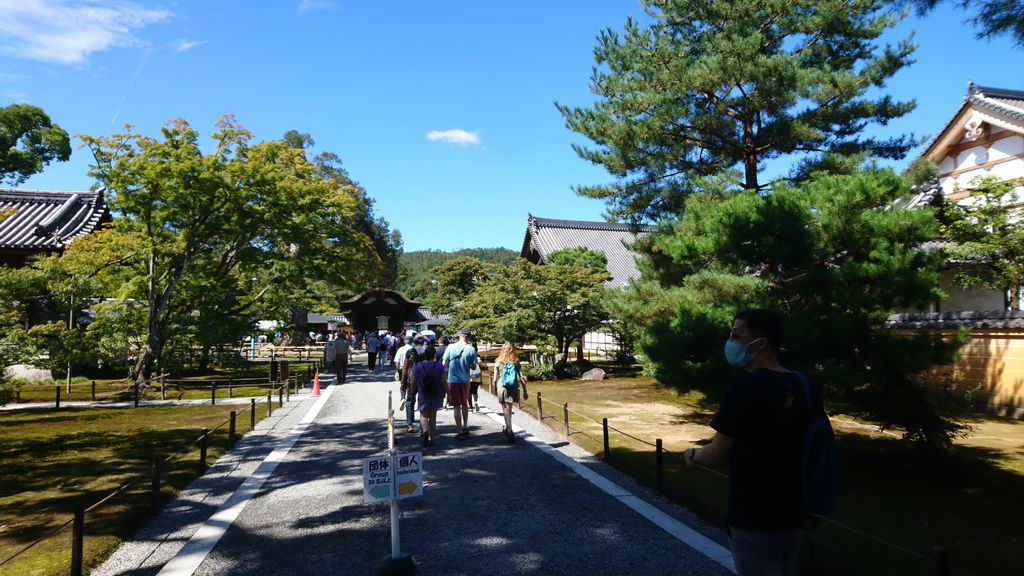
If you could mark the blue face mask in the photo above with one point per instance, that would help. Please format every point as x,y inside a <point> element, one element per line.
<point>737,355</point>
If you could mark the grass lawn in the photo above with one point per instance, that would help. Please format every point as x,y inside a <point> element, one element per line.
<point>50,460</point>
<point>890,491</point>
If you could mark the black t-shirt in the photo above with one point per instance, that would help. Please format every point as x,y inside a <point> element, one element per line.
<point>765,415</point>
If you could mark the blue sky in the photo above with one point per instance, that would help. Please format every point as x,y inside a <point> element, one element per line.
<point>443,110</point>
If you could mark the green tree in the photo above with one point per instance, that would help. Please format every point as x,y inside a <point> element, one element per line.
<point>256,220</point>
<point>714,85</point>
<point>416,280</point>
<point>28,142</point>
<point>987,239</point>
<point>525,302</point>
<point>836,259</point>
<point>993,17</point>
<point>453,281</point>
<point>579,256</point>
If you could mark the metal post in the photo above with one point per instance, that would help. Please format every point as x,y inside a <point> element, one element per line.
<point>607,452</point>
<point>213,393</point>
<point>203,440</point>
<point>154,501</point>
<point>941,561</point>
<point>77,540</point>
<point>270,404</point>
<point>252,414</point>
<point>540,408</point>
<point>231,430</point>
<point>93,390</point>
<point>288,390</point>
<point>660,466</point>
<point>57,400</point>
<point>565,413</point>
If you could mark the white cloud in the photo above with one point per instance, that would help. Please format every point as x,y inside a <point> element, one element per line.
<point>186,45</point>
<point>63,32</point>
<point>316,5</point>
<point>454,136</point>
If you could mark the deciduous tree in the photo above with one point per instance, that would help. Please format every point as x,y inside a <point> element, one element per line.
<point>28,142</point>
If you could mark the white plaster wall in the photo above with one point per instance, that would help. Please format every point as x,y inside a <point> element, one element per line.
<point>971,157</point>
<point>946,184</point>
<point>1007,170</point>
<point>977,298</point>
<point>947,165</point>
<point>1009,146</point>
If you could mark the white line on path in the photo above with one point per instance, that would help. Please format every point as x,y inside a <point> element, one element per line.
<point>682,532</point>
<point>188,559</point>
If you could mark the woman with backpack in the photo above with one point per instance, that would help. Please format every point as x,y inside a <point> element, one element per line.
<point>430,386</point>
<point>508,378</point>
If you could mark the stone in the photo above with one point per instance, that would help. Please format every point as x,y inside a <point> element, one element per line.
<point>27,372</point>
<point>594,374</point>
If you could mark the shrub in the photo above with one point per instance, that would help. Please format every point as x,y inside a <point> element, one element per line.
<point>539,372</point>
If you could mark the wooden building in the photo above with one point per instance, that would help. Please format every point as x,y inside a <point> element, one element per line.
<point>44,222</point>
<point>381,309</point>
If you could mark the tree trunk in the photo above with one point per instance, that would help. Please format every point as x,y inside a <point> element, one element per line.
<point>749,157</point>
<point>579,350</point>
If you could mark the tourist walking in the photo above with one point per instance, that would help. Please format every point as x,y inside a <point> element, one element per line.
<point>459,359</point>
<point>342,355</point>
<point>759,431</point>
<point>508,377</point>
<point>413,355</point>
<point>371,351</point>
<point>430,387</point>
<point>383,343</point>
<point>476,378</point>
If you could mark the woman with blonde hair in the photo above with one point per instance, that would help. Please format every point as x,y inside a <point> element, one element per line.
<point>508,377</point>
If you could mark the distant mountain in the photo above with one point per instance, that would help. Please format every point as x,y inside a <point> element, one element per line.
<point>414,267</point>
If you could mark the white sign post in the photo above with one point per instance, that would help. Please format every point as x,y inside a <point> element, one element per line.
<point>392,478</point>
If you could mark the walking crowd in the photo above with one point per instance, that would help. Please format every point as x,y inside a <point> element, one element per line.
<point>434,374</point>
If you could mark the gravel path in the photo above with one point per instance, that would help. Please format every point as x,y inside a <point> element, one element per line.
<point>488,507</point>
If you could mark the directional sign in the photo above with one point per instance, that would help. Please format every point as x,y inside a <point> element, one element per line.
<point>377,473</point>
<point>410,475</point>
<point>379,477</point>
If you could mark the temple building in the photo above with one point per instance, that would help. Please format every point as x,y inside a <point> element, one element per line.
<point>43,222</point>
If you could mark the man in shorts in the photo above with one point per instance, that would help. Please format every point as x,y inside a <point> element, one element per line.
<point>459,359</point>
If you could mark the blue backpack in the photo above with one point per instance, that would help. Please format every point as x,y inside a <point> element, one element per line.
<point>820,473</point>
<point>508,375</point>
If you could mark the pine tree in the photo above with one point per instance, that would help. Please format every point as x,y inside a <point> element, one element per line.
<point>713,85</point>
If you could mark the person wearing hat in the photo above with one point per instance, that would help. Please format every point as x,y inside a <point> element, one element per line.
<point>459,359</point>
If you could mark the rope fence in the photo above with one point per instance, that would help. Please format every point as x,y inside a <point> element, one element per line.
<point>77,521</point>
<point>940,560</point>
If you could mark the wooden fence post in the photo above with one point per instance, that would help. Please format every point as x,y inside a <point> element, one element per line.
<point>57,399</point>
<point>230,385</point>
<point>607,452</point>
<point>136,399</point>
<point>231,430</point>
<point>17,396</point>
<point>163,387</point>
<point>280,395</point>
<point>565,413</point>
<point>77,540</point>
<point>93,390</point>
<point>288,390</point>
<point>252,414</point>
<point>540,408</point>
<point>203,441</point>
<point>270,404</point>
<point>659,462</point>
<point>213,393</point>
<point>154,488</point>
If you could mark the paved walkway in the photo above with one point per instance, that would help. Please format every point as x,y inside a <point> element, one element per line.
<point>288,500</point>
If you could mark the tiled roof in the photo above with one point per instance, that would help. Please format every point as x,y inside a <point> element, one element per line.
<point>39,220</point>
<point>993,319</point>
<point>548,235</point>
<point>1008,103</point>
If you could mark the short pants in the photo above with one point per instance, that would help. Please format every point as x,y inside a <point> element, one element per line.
<point>459,395</point>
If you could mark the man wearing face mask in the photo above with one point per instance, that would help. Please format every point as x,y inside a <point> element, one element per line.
<point>759,431</point>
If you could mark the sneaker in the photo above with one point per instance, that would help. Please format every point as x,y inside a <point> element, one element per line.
<point>424,439</point>
<point>411,430</point>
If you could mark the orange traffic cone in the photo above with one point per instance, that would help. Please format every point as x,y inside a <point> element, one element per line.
<point>316,385</point>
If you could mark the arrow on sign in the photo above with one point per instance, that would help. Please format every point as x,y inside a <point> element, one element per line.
<point>381,491</point>
<point>406,487</point>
